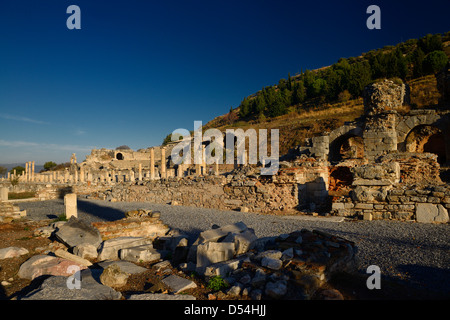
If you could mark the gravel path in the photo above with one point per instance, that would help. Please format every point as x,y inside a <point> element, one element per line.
<point>410,253</point>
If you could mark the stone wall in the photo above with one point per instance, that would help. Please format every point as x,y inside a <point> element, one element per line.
<point>303,186</point>
<point>428,204</point>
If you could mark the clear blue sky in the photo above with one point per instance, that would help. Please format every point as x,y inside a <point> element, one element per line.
<point>137,70</point>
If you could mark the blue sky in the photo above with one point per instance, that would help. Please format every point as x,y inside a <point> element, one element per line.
<point>137,70</point>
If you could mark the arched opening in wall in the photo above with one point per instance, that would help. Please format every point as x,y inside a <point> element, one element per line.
<point>119,156</point>
<point>347,147</point>
<point>427,138</point>
<point>341,179</point>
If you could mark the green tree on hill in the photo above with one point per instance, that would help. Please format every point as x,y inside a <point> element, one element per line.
<point>19,170</point>
<point>434,61</point>
<point>49,165</point>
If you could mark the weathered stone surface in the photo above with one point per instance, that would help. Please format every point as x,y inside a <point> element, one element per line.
<point>67,255</point>
<point>145,226</point>
<point>125,266</point>
<point>76,232</point>
<point>276,290</point>
<point>70,205</point>
<point>109,249</point>
<point>216,234</point>
<point>271,263</point>
<point>383,96</point>
<point>12,252</point>
<point>143,253</point>
<point>86,251</point>
<point>55,288</point>
<point>46,265</point>
<point>178,284</point>
<point>243,241</point>
<point>212,252</point>
<point>225,267</point>
<point>113,276</point>
<point>428,212</point>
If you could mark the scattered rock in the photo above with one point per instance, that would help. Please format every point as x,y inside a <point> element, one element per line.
<point>143,253</point>
<point>276,290</point>
<point>331,294</point>
<point>67,255</point>
<point>114,277</point>
<point>76,232</point>
<point>125,266</point>
<point>86,251</point>
<point>55,288</point>
<point>46,265</point>
<point>178,284</point>
<point>12,252</point>
<point>109,249</point>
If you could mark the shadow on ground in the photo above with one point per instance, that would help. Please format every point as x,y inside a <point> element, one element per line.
<point>101,212</point>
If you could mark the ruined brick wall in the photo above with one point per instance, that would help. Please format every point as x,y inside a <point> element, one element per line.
<point>301,187</point>
<point>399,203</point>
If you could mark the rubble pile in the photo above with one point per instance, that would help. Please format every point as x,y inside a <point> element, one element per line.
<point>288,266</point>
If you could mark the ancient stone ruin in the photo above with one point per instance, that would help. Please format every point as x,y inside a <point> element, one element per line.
<point>288,266</point>
<point>385,165</point>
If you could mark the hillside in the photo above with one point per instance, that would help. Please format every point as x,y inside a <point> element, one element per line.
<point>324,112</point>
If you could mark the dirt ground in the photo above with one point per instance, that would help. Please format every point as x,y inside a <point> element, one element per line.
<point>20,234</point>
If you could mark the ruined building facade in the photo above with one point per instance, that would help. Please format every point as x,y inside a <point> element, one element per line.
<point>386,165</point>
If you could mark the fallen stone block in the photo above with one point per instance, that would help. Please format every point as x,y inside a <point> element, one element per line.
<point>215,234</point>
<point>12,252</point>
<point>86,251</point>
<point>225,267</point>
<point>109,249</point>
<point>243,241</point>
<point>56,288</point>
<point>213,252</point>
<point>143,253</point>
<point>276,290</point>
<point>178,284</point>
<point>274,264</point>
<point>67,255</point>
<point>113,276</point>
<point>46,265</point>
<point>147,227</point>
<point>428,213</point>
<point>125,266</point>
<point>76,232</point>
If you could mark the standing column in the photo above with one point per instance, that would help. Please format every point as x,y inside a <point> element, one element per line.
<point>203,160</point>
<point>132,178</point>
<point>140,171</point>
<point>32,171</point>
<point>70,205</point>
<point>163,163</point>
<point>81,175</point>
<point>26,171</point>
<point>152,163</point>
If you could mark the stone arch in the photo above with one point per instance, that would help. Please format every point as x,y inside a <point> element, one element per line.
<point>345,136</point>
<point>119,156</point>
<point>427,138</point>
<point>414,119</point>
